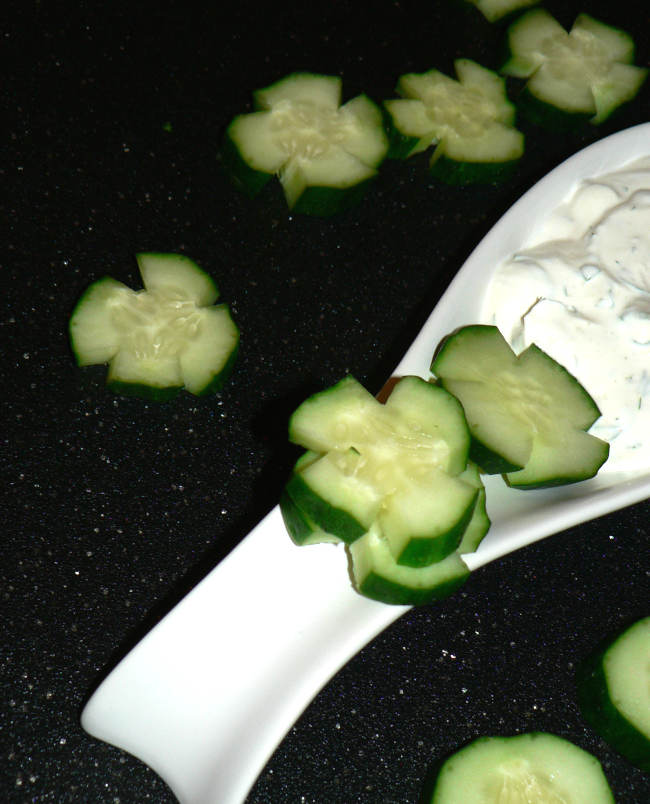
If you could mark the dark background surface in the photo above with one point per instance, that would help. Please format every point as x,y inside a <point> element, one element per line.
<point>114,507</point>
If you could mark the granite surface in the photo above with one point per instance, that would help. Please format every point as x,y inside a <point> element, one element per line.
<point>114,507</point>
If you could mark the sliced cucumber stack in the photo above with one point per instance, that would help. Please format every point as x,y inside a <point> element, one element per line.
<point>532,767</point>
<point>396,464</point>
<point>527,414</point>
<point>323,153</point>
<point>392,482</point>
<point>470,121</point>
<point>156,341</point>
<point>614,692</point>
<point>587,72</point>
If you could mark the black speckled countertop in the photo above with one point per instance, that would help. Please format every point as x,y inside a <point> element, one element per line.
<point>113,507</point>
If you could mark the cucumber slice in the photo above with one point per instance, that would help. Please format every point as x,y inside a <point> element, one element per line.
<point>421,409</point>
<point>394,464</point>
<point>614,692</point>
<point>377,575</point>
<point>420,421</point>
<point>161,339</point>
<point>532,767</point>
<point>323,153</point>
<point>426,519</point>
<point>587,72</point>
<point>303,530</point>
<point>470,121</point>
<point>334,497</point>
<point>527,414</point>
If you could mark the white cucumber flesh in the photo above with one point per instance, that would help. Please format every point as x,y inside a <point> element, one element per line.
<point>489,84</point>
<point>253,137</point>
<point>498,143</point>
<point>336,418</point>
<point>210,350</point>
<point>618,44</point>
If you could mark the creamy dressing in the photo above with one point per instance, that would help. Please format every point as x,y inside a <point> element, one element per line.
<point>580,289</point>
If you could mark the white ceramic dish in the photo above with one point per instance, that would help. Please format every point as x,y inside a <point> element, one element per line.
<point>207,695</point>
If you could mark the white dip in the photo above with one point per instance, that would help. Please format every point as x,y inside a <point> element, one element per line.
<point>580,290</point>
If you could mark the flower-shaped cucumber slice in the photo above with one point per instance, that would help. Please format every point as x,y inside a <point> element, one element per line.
<point>470,121</point>
<point>158,340</point>
<point>323,153</point>
<point>586,72</point>
<point>527,414</point>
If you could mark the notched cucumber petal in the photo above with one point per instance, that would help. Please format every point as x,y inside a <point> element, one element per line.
<point>418,407</point>
<point>161,339</point>
<point>426,520</point>
<point>494,10</point>
<point>93,336</point>
<point>323,154</point>
<point>568,456</point>
<point>176,276</point>
<point>335,500</point>
<point>302,88</point>
<point>335,419</point>
<point>208,357</point>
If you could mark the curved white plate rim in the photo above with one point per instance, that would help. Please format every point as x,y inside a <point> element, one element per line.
<point>210,691</point>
